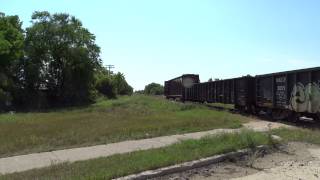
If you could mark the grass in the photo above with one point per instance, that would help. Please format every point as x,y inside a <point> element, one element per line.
<point>125,164</point>
<point>301,135</point>
<point>107,121</point>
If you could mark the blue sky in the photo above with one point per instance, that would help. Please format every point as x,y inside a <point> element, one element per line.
<point>152,41</point>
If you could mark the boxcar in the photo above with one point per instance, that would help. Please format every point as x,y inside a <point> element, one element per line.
<point>289,94</point>
<point>175,88</point>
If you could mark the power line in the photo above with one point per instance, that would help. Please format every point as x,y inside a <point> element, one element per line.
<point>109,67</point>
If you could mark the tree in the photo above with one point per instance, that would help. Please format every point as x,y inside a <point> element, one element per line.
<point>111,85</point>
<point>105,87</point>
<point>154,89</point>
<point>121,85</point>
<point>61,58</point>
<point>11,50</point>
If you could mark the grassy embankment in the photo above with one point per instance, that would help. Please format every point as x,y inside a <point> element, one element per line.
<point>125,164</point>
<point>107,121</point>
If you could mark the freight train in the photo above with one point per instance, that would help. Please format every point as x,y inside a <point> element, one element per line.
<point>283,95</point>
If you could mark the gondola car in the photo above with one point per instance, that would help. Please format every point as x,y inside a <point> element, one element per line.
<point>289,94</point>
<point>175,88</point>
<point>236,91</point>
<point>282,95</point>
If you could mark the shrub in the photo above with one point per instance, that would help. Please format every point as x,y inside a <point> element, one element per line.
<point>105,87</point>
<point>154,89</point>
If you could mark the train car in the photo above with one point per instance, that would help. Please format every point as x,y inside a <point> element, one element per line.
<point>176,87</point>
<point>225,91</point>
<point>289,94</point>
<point>244,98</point>
<point>203,92</point>
<point>237,91</point>
<point>192,93</point>
<point>200,92</point>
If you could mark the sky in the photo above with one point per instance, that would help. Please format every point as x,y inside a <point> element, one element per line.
<point>153,41</point>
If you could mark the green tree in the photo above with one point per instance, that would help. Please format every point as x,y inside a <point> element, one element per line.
<point>105,87</point>
<point>121,85</point>
<point>110,84</point>
<point>61,58</point>
<point>154,89</point>
<point>11,50</point>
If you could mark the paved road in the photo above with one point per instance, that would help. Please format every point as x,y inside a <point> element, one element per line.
<point>39,160</point>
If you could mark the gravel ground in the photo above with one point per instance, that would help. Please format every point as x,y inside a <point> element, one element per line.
<point>292,161</point>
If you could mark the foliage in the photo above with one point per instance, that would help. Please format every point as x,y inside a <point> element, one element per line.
<point>106,87</point>
<point>61,58</point>
<point>139,92</point>
<point>11,50</point>
<point>154,89</point>
<point>110,84</point>
<point>56,63</point>
<point>121,85</point>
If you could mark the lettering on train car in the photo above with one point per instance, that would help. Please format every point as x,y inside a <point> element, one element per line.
<point>281,95</point>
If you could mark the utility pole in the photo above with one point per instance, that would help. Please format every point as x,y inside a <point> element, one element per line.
<point>109,67</point>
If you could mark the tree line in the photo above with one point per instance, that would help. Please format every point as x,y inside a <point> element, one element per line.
<point>54,62</point>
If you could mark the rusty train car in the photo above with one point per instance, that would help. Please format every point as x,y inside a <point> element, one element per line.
<point>282,95</point>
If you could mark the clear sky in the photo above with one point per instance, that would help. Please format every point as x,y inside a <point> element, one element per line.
<point>155,40</point>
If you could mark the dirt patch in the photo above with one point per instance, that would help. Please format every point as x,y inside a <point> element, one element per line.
<point>292,161</point>
<point>260,125</point>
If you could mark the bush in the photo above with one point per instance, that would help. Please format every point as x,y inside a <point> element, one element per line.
<point>105,87</point>
<point>121,85</point>
<point>154,89</point>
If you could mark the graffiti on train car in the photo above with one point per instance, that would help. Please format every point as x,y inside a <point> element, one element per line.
<point>306,98</point>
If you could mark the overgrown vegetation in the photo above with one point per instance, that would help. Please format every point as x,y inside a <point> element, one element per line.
<point>125,164</point>
<point>55,61</point>
<point>129,117</point>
